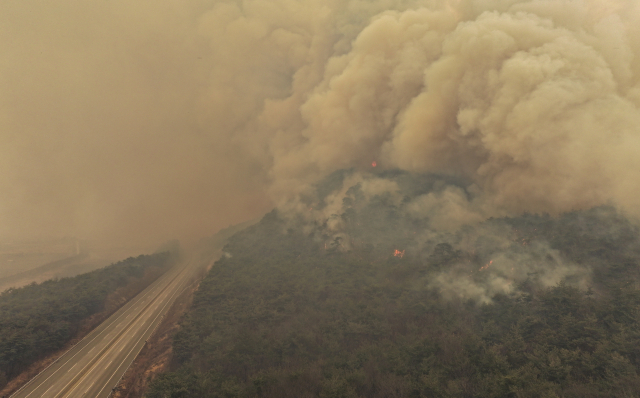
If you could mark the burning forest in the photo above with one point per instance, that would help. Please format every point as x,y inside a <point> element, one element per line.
<point>199,114</point>
<point>451,186</point>
<point>378,299</point>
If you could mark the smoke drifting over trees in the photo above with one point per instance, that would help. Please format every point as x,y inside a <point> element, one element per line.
<point>385,310</point>
<point>175,118</point>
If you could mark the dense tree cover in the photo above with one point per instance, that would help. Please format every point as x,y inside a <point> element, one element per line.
<point>38,319</point>
<point>296,312</point>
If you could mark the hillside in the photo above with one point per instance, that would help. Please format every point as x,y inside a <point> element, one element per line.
<point>391,306</point>
<point>39,319</point>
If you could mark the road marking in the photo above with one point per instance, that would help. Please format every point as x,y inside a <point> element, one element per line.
<point>92,335</point>
<point>177,291</point>
<point>45,393</point>
<point>77,380</point>
<point>87,390</point>
<point>74,355</point>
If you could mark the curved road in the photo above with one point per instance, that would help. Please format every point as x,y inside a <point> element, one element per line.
<point>95,365</point>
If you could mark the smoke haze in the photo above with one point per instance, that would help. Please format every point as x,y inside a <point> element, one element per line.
<point>151,120</point>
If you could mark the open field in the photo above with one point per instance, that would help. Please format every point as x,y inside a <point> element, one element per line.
<point>26,262</point>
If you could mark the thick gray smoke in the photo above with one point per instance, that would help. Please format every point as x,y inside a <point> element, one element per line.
<point>147,120</point>
<point>536,102</point>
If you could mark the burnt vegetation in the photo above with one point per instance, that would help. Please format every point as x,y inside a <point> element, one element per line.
<point>294,313</point>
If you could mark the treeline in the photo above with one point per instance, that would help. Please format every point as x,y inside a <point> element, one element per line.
<point>283,315</point>
<point>38,319</point>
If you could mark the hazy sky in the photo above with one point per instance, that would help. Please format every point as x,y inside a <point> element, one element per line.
<point>105,126</point>
<point>148,120</point>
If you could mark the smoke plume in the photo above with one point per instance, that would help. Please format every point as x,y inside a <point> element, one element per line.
<point>148,120</point>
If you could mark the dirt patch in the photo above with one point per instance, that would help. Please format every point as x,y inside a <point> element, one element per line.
<point>113,302</point>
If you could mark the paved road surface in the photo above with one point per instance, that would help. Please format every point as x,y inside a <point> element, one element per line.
<point>94,365</point>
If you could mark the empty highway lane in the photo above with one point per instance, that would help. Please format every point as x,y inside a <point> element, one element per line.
<point>93,366</point>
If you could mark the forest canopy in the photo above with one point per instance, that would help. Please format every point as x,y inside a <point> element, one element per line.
<point>376,302</point>
<point>38,319</point>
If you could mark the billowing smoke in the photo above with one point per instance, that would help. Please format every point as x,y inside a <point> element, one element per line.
<point>147,120</point>
<point>536,102</point>
<point>429,222</point>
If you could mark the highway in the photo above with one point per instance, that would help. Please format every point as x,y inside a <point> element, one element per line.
<point>94,365</point>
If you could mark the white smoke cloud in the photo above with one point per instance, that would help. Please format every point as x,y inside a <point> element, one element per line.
<point>447,210</point>
<point>503,274</point>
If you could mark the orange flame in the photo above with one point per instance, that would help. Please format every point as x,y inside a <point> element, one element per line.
<point>486,266</point>
<point>374,163</point>
<point>398,253</point>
